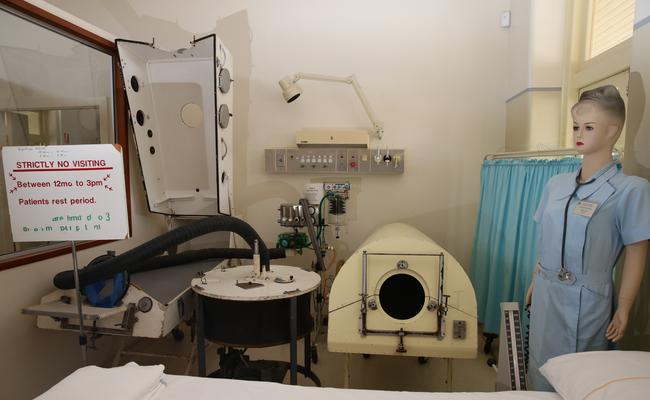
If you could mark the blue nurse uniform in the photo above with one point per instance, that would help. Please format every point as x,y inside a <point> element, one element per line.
<point>605,215</point>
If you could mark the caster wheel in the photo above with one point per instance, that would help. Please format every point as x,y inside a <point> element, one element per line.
<point>489,338</point>
<point>314,354</point>
<point>178,335</point>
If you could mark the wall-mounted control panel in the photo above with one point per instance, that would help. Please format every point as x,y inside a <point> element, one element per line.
<point>334,160</point>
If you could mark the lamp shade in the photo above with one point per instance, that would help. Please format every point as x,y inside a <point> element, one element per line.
<point>290,90</point>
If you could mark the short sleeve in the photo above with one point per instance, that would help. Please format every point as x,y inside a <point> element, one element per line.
<point>542,205</point>
<point>633,212</point>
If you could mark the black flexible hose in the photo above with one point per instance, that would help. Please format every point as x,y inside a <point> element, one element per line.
<point>203,254</point>
<point>156,246</point>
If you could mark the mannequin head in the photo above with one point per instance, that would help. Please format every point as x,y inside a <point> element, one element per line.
<point>598,119</point>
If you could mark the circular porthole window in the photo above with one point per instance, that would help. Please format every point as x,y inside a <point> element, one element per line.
<point>224,116</point>
<point>192,115</point>
<point>401,296</point>
<point>135,85</point>
<point>139,117</point>
<point>224,80</point>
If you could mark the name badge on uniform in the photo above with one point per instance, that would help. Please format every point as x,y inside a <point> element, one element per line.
<point>585,208</point>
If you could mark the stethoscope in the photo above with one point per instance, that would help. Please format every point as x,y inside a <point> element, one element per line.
<point>563,274</point>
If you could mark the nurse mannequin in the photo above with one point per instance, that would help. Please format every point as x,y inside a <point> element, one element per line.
<point>586,219</point>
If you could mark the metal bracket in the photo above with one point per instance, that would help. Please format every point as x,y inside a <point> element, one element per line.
<point>460,329</point>
<point>365,303</point>
<point>128,321</point>
<point>316,244</point>
<point>400,346</point>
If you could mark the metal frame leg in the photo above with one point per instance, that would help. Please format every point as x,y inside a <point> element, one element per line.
<point>200,336</point>
<point>346,372</point>
<point>190,360</point>
<point>450,375</point>
<point>120,348</point>
<point>307,342</point>
<point>293,322</point>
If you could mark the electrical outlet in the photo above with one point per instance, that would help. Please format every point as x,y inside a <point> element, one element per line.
<point>505,19</point>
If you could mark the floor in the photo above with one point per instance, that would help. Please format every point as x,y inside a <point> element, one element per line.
<point>375,372</point>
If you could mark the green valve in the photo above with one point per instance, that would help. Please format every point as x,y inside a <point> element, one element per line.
<point>293,240</point>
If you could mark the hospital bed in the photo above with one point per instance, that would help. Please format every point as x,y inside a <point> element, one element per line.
<point>594,375</point>
<point>149,382</point>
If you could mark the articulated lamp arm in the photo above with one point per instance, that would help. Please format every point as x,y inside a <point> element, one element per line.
<point>377,127</point>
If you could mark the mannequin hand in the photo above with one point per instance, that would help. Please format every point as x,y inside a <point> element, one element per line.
<point>616,328</point>
<point>529,295</point>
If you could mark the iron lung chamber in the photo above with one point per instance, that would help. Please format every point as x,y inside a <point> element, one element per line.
<point>400,293</point>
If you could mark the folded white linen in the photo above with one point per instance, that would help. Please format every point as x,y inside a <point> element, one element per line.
<point>127,382</point>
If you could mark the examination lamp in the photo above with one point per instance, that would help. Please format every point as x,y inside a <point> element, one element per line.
<point>291,91</point>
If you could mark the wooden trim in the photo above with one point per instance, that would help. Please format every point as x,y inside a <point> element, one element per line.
<point>34,255</point>
<point>120,125</point>
<point>122,130</point>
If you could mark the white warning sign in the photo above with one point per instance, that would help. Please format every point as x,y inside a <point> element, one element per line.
<point>66,192</point>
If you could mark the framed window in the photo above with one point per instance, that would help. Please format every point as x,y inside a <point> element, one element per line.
<point>598,52</point>
<point>59,85</point>
<point>610,23</point>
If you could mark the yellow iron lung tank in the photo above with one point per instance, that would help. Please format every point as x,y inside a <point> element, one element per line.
<point>400,293</point>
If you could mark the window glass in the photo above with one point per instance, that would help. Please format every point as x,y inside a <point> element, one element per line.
<point>53,91</point>
<point>612,22</point>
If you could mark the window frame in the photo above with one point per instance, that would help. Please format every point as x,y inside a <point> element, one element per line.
<point>579,71</point>
<point>47,20</point>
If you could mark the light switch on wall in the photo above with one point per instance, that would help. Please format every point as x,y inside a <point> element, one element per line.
<point>505,19</point>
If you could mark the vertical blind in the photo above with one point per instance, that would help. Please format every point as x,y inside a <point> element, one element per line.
<point>612,22</point>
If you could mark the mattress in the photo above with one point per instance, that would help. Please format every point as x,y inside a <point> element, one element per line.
<point>189,387</point>
<point>135,382</point>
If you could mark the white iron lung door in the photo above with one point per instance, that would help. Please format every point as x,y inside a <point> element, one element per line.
<point>184,146</point>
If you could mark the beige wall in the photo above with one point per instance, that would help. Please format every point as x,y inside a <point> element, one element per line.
<point>518,123</point>
<point>435,73</point>
<point>519,47</point>
<point>533,120</point>
<point>637,156</point>
<point>417,65</point>
<point>535,52</point>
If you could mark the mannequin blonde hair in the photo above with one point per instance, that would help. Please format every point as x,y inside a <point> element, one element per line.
<point>608,99</point>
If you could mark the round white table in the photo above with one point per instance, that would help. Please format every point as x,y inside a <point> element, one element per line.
<point>244,284</point>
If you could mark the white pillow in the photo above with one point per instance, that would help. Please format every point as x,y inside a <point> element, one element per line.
<point>600,375</point>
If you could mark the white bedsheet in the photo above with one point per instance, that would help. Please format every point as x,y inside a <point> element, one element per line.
<point>128,382</point>
<point>189,387</point>
<point>134,382</point>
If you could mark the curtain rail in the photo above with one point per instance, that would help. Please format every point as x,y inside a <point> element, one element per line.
<point>542,153</point>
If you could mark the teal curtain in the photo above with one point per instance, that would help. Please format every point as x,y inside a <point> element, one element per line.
<point>505,239</point>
